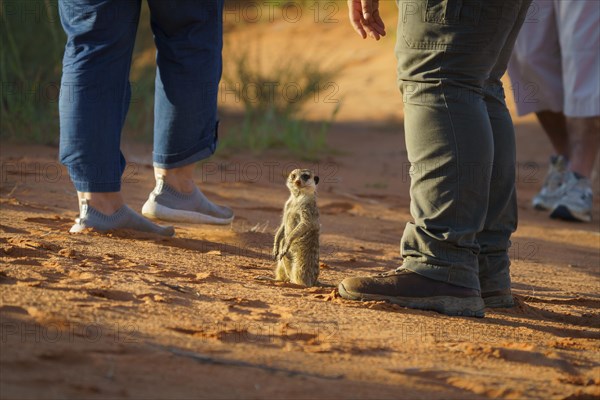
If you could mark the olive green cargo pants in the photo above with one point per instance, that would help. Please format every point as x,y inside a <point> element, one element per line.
<point>459,137</point>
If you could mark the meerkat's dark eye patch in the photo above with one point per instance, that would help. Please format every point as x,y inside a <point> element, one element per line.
<point>316,180</point>
<point>293,176</point>
<point>305,177</point>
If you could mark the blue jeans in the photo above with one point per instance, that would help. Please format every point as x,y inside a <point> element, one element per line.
<point>459,137</point>
<point>95,87</point>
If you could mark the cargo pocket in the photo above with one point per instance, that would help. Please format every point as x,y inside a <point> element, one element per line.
<point>446,24</point>
<point>452,12</point>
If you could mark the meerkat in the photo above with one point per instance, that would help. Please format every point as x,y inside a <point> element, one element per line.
<point>296,246</point>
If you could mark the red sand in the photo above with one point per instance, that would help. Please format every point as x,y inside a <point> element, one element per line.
<point>134,316</point>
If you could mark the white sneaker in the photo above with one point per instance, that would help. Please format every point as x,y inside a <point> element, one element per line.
<point>168,204</point>
<point>576,202</point>
<point>552,190</point>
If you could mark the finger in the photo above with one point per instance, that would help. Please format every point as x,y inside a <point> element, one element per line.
<point>372,34</point>
<point>378,23</point>
<point>372,22</point>
<point>367,10</point>
<point>378,29</point>
<point>369,29</point>
<point>355,17</point>
<point>375,35</point>
<point>358,27</point>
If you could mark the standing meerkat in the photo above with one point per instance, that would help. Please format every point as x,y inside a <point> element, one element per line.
<point>296,246</point>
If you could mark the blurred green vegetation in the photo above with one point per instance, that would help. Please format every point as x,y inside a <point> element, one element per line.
<point>31,42</point>
<point>31,49</point>
<point>32,45</point>
<point>274,100</point>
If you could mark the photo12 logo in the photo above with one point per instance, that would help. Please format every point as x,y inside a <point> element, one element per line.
<point>269,171</point>
<point>289,11</point>
<point>277,92</point>
<point>54,332</point>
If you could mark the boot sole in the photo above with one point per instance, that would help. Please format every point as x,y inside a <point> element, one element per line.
<point>154,210</point>
<point>505,301</point>
<point>453,306</point>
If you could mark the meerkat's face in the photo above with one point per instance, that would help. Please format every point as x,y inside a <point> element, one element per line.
<point>302,181</point>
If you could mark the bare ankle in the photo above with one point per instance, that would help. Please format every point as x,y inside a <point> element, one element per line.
<point>106,203</point>
<point>180,179</point>
<point>584,144</point>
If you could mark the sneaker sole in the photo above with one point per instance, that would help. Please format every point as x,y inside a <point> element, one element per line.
<point>563,212</point>
<point>540,207</point>
<point>505,301</point>
<point>158,211</point>
<point>542,204</point>
<point>78,228</point>
<point>453,306</point>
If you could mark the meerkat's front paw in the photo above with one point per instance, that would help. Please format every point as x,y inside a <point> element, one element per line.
<point>275,253</point>
<point>282,250</point>
<point>283,253</point>
<point>277,250</point>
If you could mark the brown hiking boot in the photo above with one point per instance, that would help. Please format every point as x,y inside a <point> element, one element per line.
<point>498,299</point>
<point>412,290</point>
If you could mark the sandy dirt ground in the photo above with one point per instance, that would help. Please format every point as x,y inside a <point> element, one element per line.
<point>125,315</point>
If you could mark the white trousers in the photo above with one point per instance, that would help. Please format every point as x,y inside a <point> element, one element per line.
<point>555,64</point>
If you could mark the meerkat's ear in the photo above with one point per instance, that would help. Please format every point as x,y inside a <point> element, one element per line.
<point>316,180</point>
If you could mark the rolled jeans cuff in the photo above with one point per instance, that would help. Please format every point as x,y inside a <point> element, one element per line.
<point>91,178</point>
<point>449,275</point>
<point>202,150</point>
<point>87,186</point>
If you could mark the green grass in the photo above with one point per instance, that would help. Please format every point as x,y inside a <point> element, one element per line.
<point>32,45</point>
<point>30,58</point>
<point>273,102</point>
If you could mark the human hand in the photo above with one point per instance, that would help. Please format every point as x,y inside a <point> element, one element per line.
<point>365,18</point>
